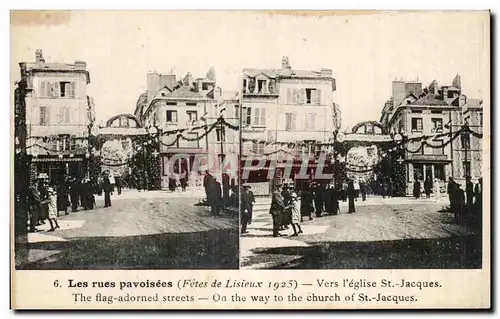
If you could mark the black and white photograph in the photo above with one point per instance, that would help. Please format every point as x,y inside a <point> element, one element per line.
<point>362,143</point>
<point>126,149</point>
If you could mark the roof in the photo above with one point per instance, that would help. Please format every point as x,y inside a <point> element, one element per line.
<point>186,92</point>
<point>57,67</point>
<point>274,73</point>
<point>430,99</point>
<point>452,88</point>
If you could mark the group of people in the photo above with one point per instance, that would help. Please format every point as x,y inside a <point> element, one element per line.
<point>466,204</point>
<point>430,187</point>
<point>218,193</point>
<point>289,208</point>
<point>47,202</point>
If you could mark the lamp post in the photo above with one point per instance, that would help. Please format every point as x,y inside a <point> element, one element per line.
<point>466,131</point>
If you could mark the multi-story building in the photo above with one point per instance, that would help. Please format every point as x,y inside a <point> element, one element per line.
<point>433,110</point>
<point>285,106</point>
<point>59,116</point>
<point>187,104</point>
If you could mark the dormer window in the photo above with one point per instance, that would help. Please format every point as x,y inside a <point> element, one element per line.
<point>261,86</point>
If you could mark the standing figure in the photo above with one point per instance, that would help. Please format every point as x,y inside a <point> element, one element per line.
<point>107,190</point>
<point>62,197</point>
<point>225,188</point>
<point>318,199</point>
<point>306,203</point>
<point>437,189</point>
<point>356,189</point>
<point>251,201</point>
<point>294,208</point>
<point>351,193</point>
<point>286,217</point>
<point>333,206</point>
<point>119,184</point>
<point>428,187</point>
<point>51,203</point>
<point>216,197</point>
<point>390,188</point>
<point>416,189</point>
<point>459,204</point>
<point>244,209</point>
<point>207,180</point>
<point>469,191</point>
<point>74,194</point>
<point>362,189</point>
<point>44,208</point>
<point>451,193</point>
<point>277,207</point>
<point>35,202</point>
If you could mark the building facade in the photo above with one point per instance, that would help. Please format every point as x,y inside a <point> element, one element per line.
<point>185,105</point>
<point>59,117</point>
<point>285,106</point>
<point>417,111</point>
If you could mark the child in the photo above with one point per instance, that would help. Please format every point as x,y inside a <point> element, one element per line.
<point>295,209</point>
<point>52,203</point>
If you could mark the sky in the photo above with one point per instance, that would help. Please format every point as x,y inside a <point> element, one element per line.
<point>365,51</point>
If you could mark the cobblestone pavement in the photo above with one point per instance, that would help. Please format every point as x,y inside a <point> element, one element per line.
<point>140,230</point>
<point>383,233</point>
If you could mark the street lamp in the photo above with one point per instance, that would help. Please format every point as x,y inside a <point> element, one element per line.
<point>338,136</point>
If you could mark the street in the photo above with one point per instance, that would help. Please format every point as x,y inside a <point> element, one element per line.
<point>382,234</point>
<point>142,230</point>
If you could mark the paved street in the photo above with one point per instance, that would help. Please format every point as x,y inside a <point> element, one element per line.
<point>140,230</point>
<point>383,233</point>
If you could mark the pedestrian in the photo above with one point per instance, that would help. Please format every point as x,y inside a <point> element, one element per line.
<point>225,188</point>
<point>294,208</point>
<point>318,199</point>
<point>345,185</point>
<point>437,189</point>
<point>356,188</point>
<point>416,189</point>
<point>469,191</point>
<point>207,180</point>
<point>119,184</point>
<point>216,194</point>
<point>35,202</point>
<point>100,184</point>
<point>362,189</point>
<point>428,187</point>
<point>277,206</point>
<point>459,204</point>
<point>390,188</point>
<point>286,217</point>
<point>306,203</point>
<point>107,190</point>
<point>44,208</point>
<point>351,194</point>
<point>251,201</point>
<point>51,203</point>
<point>62,197</point>
<point>74,194</point>
<point>451,192</point>
<point>478,203</point>
<point>333,203</point>
<point>244,209</point>
<point>112,182</point>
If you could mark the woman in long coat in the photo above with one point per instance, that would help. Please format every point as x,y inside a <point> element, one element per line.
<point>416,189</point>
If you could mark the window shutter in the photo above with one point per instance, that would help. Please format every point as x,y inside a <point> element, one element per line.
<point>47,115</point>
<point>66,115</point>
<point>262,116</point>
<point>73,89</point>
<point>306,121</point>
<point>288,122</point>
<point>289,96</point>
<point>57,91</point>
<point>256,117</point>
<point>302,96</point>
<point>43,89</point>
<point>318,97</point>
<point>293,122</point>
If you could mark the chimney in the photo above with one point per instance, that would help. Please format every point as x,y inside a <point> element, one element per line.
<point>285,63</point>
<point>82,64</point>
<point>153,80</point>
<point>39,56</point>
<point>188,79</point>
<point>326,73</point>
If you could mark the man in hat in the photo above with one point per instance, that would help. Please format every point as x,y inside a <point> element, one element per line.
<point>251,200</point>
<point>108,188</point>
<point>35,202</point>
<point>244,208</point>
<point>277,207</point>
